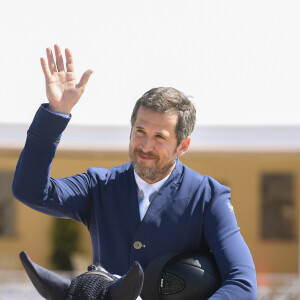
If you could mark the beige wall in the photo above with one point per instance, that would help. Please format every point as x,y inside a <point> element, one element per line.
<point>240,171</point>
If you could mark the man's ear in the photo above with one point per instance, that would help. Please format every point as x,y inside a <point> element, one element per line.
<point>183,146</point>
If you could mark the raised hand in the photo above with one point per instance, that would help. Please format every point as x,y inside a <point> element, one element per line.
<point>61,88</point>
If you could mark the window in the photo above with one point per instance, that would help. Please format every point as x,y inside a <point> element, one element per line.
<point>7,213</point>
<point>278,208</point>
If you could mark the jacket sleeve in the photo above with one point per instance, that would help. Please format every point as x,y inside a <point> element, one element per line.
<point>32,184</point>
<point>228,246</point>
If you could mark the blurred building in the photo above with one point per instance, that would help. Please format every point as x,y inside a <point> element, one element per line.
<point>261,165</point>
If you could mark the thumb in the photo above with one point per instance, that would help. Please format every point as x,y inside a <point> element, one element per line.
<point>84,79</point>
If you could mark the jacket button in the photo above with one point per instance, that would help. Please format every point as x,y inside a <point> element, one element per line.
<point>138,245</point>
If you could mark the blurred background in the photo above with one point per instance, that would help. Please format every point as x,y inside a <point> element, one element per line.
<point>240,62</point>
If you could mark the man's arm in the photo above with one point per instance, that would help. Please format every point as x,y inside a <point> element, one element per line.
<point>32,183</point>
<point>229,248</point>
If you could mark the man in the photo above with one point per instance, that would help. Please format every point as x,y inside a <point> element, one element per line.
<point>188,211</point>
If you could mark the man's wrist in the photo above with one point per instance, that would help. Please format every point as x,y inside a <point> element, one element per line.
<point>64,115</point>
<point>48,125</point>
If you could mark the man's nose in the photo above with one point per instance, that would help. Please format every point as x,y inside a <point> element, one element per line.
<point>147,144</point>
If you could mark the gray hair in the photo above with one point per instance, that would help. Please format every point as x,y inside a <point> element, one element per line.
<point>169,100</point>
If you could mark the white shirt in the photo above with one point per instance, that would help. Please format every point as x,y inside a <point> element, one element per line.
<point>141,183</point>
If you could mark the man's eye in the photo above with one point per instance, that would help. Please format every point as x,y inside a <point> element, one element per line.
<point>160,136</point>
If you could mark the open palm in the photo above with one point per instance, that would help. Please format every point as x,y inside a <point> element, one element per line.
<point>61,88</point>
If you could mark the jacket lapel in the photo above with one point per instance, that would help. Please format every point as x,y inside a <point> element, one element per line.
<point>166,194</point>
<point>132,197</point>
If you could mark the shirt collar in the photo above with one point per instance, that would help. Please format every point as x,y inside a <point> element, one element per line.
<point>141,183</point>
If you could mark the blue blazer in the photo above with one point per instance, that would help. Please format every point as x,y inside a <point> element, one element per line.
<point>190,212</point>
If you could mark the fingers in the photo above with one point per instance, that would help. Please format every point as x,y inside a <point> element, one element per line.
<point>59,65</point>
<point>59,59</point>
<point>84,79</point>
<point>51,64</point>
<point>69,61</point>
<point>45,69</point>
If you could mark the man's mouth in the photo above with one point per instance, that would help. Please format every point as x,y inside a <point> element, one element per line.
<point>145,156</point>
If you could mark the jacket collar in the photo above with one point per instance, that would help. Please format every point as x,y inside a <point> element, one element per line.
<point>177,174</point>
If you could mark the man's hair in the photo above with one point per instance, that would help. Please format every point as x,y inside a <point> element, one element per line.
<point>169,100</point>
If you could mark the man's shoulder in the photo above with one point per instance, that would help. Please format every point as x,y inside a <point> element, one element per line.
<point>190,174</point>
<point>204,180</point>
<point>114,172</point>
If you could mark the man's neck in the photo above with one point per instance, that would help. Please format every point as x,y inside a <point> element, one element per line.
<point>141,183</point>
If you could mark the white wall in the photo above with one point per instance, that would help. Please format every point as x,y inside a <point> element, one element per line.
<point>239,59</point>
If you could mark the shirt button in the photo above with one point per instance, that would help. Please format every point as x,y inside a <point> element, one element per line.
<point>138,245</point>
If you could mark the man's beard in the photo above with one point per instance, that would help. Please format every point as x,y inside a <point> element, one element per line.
<point>155,173</point>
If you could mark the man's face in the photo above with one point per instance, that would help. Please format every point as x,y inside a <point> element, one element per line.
<point>153,145</point>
